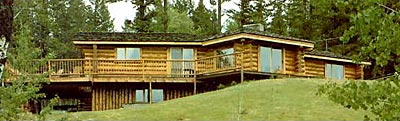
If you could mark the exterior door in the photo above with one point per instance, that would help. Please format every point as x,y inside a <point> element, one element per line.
<point>180,64</point>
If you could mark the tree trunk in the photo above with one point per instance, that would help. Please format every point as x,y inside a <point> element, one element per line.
<point>6,20</point>
<point>219,16</point>
<point>165,18</point>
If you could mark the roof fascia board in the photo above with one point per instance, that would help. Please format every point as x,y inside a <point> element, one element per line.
<point>136,43</point>
<point>258,37</point>
<point>335,59</point>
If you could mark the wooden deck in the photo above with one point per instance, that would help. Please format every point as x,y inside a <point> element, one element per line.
<point>143,70</point>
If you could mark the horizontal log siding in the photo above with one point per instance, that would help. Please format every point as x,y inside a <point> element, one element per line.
<point>290,61</point>
<point>155,53</point>
<point>250,55</point>
<point>314,67</point>
<point>353,71</point>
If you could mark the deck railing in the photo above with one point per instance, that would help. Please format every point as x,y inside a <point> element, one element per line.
<point>218,63</point>
<point>142,67</point>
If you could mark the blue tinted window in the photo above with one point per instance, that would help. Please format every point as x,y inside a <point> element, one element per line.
<point>334,71</point>
<point>328,71</point>
<point>158,95</point>
<point>337,72</point>
<point>141,95</point>
<point>265,58</point>
<point>128,53</point>
<point>132,53</point>
<point>276,60</point>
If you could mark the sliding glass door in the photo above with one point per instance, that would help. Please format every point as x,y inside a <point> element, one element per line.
<point>181,64</point>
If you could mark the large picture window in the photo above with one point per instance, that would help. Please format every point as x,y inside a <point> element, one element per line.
<point>270,59</point>
<point>128,53</point>
<point>334,71</point>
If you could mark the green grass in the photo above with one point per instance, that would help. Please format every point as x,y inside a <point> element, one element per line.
<point>278,99</point>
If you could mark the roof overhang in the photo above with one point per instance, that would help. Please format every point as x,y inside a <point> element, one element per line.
<point>260,38</point>
<point>335,59</point>
<point>205,43</point>
<point>133,43</point>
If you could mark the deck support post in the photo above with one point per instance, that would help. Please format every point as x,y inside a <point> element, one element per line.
<point>150,91</point>
<point>95,58</point>
<point>241,68</point>
<point>194,76</point>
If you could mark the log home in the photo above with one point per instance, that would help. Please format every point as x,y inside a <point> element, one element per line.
<point>130,68</point>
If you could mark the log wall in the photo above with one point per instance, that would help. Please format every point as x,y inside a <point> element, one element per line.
<point>107,96</point>
<point>316,67</point>
<point>250,55</point>
<point>290,59</point>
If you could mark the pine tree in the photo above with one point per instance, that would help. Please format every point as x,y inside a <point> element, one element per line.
<point>205,20</point>
<point>99,17</point>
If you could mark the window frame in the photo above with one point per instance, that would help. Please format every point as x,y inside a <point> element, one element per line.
<point>226,61</point>
<point>145,95</point>
<point>331,71</point>
<point>125,49</point>
<point>271,58</point>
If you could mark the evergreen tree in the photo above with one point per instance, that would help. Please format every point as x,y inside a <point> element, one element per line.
<point>54,22</point>
<point>99,17</point>
<point>205,20</point>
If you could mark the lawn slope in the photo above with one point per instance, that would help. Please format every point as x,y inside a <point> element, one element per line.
<point>278,99</point>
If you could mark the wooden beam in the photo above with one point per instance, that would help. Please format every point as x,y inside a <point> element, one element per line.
<point>195,75</point>
<point>150,91</point>
<point>335,59</point>
<point>95,57</point>
<point>241,68</point>
<point>134,43</point>
<point>260,38</point>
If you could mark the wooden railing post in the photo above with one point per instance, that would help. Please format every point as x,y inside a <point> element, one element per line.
<point>143,70</point>
<point>241,68</point>
<point>95,56</point>
<point>195,76</point>
<point>49,68</point>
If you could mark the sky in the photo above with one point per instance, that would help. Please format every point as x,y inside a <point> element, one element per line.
<point>120,11</point>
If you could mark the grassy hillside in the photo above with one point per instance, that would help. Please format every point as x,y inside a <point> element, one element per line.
<point>279,99</point>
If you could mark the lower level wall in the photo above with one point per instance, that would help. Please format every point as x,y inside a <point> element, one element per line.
<point>107,96</point>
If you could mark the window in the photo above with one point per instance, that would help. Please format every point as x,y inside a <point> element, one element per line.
<point>157,95</point>
<point>182,53</point>
<point>334,71</point>
<point>141,95</point>
<point>128,53</point>
<point>182,68</point>
<point>270,59</point>
<point>225,61</point>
